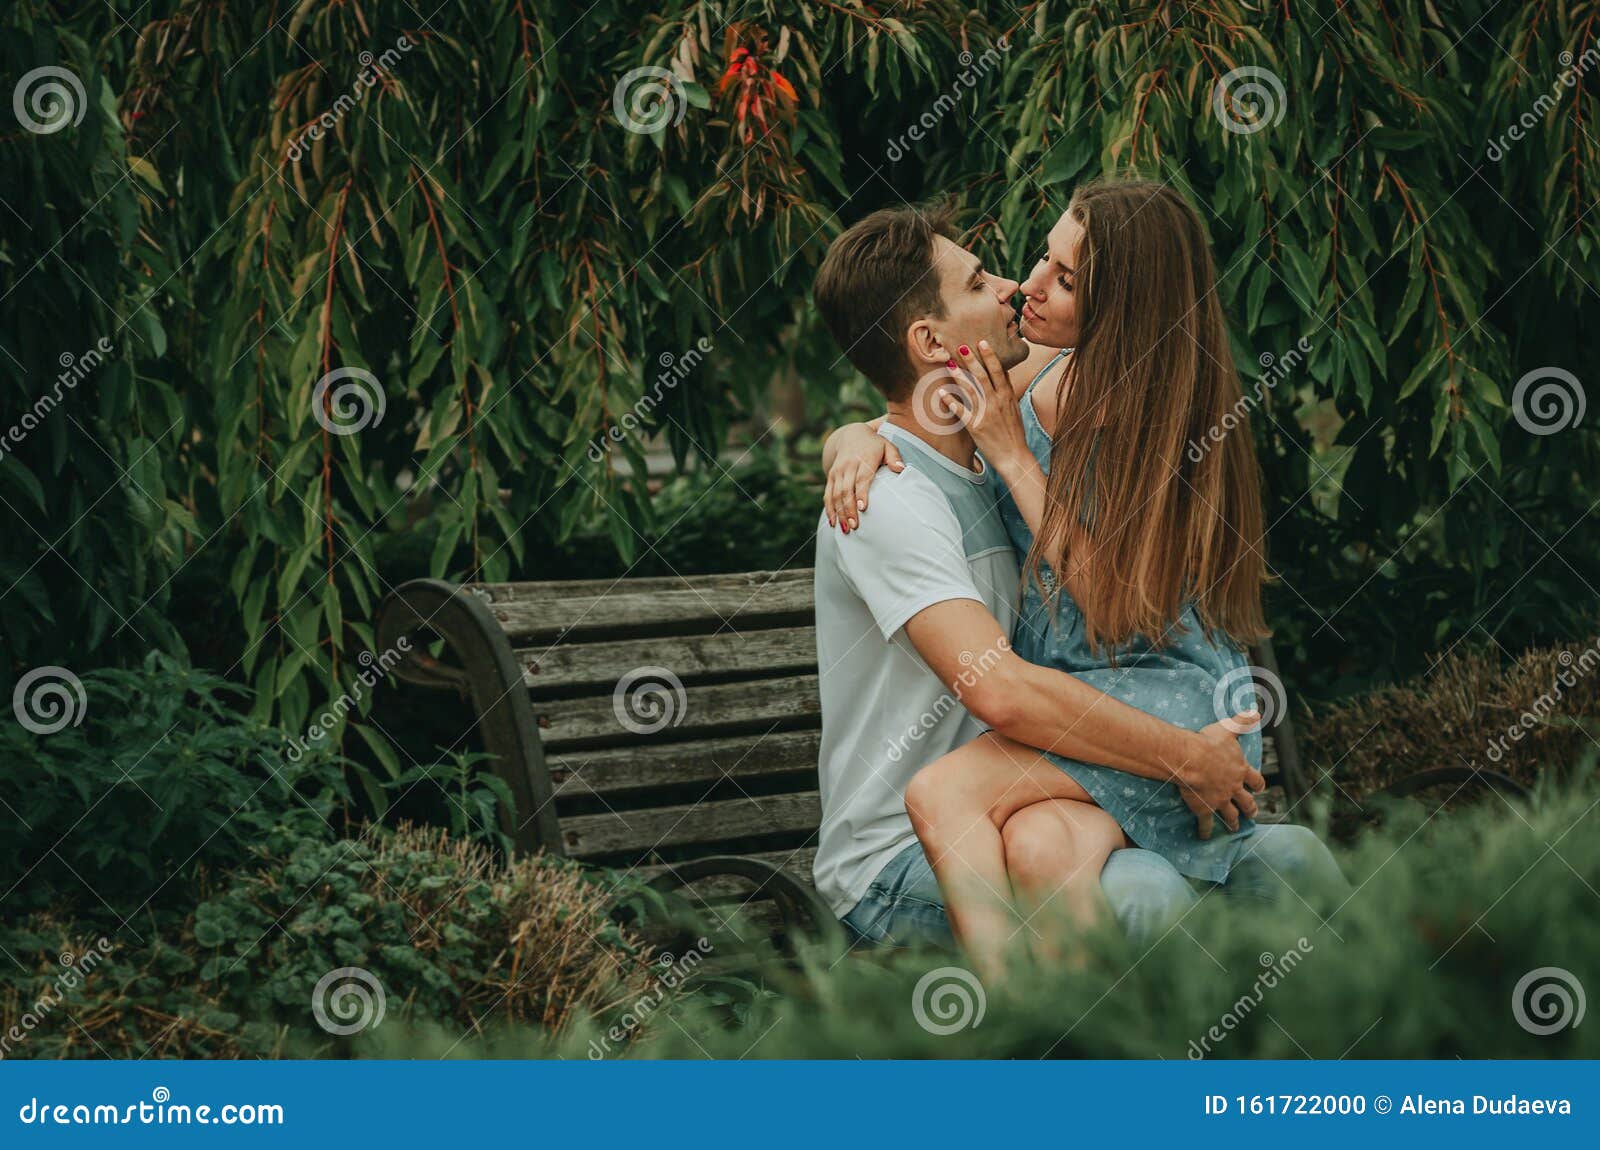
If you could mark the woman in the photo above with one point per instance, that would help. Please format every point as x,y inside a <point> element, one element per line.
<point>1143,559</point>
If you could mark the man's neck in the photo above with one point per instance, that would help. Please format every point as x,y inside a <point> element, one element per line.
<point>956,445</point>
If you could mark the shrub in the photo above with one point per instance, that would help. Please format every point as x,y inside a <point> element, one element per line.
<point>1474,709</point>
<point>456,939</point>
<point>1448,918</point>
<point>161,778</point>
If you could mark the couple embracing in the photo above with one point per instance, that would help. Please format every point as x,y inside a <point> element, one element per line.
<point>1029,589</point>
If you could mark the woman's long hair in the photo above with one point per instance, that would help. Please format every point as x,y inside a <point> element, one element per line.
<point>1171,512</point>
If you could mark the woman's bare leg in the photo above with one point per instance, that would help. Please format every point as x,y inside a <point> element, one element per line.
<point>958,804</point>
<point>1055,850</point>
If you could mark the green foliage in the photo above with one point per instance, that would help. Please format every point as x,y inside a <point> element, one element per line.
<point>1420,961</point>
<point>1446,916</point>
<point>455,939</point>
<point>754,516</point>
<point>91,469</point>
<point>256,200</point>
<point>162,779</point>
<point>474,796</point>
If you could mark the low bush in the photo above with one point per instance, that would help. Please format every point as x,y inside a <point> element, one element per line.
<point>1469,934</point>
<point>1518,717</point>
<point>444,935</point>
<point>161,778</point>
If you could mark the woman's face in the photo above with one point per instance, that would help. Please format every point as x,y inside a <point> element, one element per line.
<point>1049,309</point>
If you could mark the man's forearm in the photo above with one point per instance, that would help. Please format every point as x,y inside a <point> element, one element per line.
<point>1056,712</point>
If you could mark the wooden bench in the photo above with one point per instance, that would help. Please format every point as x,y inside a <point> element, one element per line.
<point>666,726</point>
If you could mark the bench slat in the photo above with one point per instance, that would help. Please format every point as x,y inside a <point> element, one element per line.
<point>588,835</point>
<point>545,612</point>
<point>795,862</point>
<point>761,703</point>
<point>564,588</point>
<point>687,656</point>
<point>580,773</point>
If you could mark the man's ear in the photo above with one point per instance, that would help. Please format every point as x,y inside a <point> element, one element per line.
<point>925,349</point>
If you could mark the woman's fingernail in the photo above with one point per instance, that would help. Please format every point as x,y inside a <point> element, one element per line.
<point>951,365</point>
<point>983,343</point>
<point>861,504</point>
<point>964,349</point>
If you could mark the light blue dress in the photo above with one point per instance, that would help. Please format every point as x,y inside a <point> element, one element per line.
<point>1176,681</point>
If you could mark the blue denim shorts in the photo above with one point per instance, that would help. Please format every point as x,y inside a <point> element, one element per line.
<point>903,906</point>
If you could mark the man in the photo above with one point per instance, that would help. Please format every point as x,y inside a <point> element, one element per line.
<point>915,606</point>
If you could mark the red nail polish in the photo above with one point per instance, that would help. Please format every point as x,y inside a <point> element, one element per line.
<point>951,365</point>
<point>964,349</point>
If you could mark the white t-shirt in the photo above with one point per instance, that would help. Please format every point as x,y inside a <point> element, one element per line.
<point>931,533</point>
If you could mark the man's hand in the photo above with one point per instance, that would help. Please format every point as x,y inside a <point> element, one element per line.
<point>1215,778</point>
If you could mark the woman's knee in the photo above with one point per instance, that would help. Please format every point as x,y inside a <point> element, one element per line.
<point>1034,841</point>
<point>1049,836</point>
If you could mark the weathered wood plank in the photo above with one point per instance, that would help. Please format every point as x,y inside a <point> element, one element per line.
<point>589,835</point>
<point>544,612</point>
<point>687,656</point>
<point>796,863</point>
<point>563,588</point>
<point>595,720</point>
<point>580,773</point>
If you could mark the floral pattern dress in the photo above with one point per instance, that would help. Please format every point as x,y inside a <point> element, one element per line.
<point>1186,681</point>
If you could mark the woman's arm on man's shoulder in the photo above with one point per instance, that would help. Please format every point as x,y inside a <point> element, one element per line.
<point>851,456</point>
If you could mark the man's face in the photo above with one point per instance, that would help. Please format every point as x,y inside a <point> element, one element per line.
<point>977,305</point>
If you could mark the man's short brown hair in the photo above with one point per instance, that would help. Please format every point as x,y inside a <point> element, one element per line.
<point>876,279</point>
